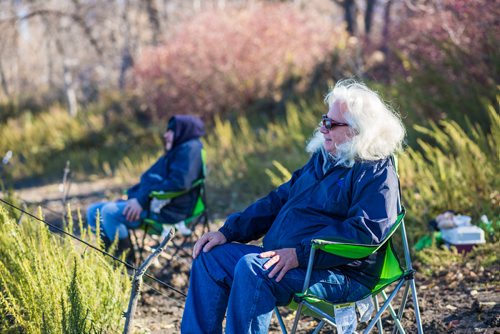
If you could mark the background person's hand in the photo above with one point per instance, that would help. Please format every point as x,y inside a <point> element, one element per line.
<point>283,260</point>
<point>132,210</point>
<point>208,241</point>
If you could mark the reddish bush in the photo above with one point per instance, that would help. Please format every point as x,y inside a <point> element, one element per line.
<point>449,52</point>
<point>472,26</point>
<point>226,60</point>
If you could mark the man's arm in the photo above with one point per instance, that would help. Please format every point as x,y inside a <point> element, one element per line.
<point>372,212</point>
<point>183,170</point>
<point>255,221</point>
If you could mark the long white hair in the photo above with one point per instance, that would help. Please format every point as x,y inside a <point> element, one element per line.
<point>378,130</point>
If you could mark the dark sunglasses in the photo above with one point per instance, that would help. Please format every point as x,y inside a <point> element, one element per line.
<point>329,123</point>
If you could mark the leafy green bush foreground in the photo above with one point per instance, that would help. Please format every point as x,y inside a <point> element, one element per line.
<point>49,284</point>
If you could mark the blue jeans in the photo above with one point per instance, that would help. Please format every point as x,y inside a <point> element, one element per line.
<point>113,222</point>
<point>232,277</point>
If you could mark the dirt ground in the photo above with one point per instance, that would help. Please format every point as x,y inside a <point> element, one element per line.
<point>456,300</point>
<point>460,299</point>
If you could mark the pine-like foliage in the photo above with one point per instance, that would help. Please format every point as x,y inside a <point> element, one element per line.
<point>49,284</point>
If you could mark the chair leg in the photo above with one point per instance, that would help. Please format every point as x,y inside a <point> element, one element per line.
<point>280,320</point>
<point>379,321</point>
<point>415,305</point>
<point>319,327</point>
<point>142,244</point>
<point>384,306</point>
<point>403,305</point>
<point>180,247</point>
<point>297,318</point>
<point>136,247</point>
<point>397,323</point>
<point>206,224</point>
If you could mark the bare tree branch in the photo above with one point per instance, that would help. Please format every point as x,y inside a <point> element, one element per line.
<point>57,13</point>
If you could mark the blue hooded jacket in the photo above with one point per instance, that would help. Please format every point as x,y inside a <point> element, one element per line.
<point>357,204</point>
<point>176,170</point>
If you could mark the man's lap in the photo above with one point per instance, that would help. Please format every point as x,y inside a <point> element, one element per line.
<point>330,284</point>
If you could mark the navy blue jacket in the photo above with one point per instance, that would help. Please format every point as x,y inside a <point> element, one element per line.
<point>357,204</point>
<point>176,170</point>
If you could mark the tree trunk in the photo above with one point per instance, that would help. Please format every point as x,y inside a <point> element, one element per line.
<point>350,16</point>
<point>70,91</point>
<point>154,20</point>
<point>47,43</point>
<point>370,5</point>
<point>127,61</point>
<point>387,22</point>
<point>3,81</point>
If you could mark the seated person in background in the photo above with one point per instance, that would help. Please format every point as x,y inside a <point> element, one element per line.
<point>347,190</point>
<point>176,170</point>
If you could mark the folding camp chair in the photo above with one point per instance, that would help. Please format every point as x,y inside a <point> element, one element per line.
<point>392,273</point>
<point>153,226</point>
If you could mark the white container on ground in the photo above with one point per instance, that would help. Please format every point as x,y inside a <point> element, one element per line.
<point>463,237</point>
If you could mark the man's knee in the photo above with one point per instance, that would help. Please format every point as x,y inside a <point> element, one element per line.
<point>212,257</point>
<point>92,210</point>
<point>108,211</point>
<point>252,265</point>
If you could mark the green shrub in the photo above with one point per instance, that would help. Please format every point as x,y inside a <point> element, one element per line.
<point>49,284</point>
<point>452,170</point>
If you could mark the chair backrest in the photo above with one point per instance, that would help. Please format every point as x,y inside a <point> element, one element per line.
<point>154,226</point>
<point>201,203</point>
<point>406,249</point>
<point>392,269</point>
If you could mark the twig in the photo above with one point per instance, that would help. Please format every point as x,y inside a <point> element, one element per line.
<point>137,282</point>
<point>65,183</point>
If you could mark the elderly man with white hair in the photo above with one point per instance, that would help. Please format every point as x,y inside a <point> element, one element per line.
<point>348,190</point>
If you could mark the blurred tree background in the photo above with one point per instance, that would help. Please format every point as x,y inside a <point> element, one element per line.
<point>94,82</point>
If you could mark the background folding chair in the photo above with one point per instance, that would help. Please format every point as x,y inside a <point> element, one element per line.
<point>392,274</point>
<point>153,226</point>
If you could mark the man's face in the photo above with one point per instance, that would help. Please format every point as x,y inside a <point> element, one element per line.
<point>338,134</point>
<point>169,139</point>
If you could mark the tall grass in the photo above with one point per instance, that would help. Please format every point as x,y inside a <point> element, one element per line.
<point>240,157</point>
<point>94,142</point>
<point>49,284</point>
<point>453,168</point>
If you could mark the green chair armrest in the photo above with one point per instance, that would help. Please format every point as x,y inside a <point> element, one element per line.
<point>197,183</point>
<point>167,195</point>
<point>173,194</point>
<point>348,250</point>
<point>352,250</point>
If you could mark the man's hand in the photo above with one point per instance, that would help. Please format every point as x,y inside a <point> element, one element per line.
<point>208,241</point>
<point>132,210</point>
<point>282,259</point>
